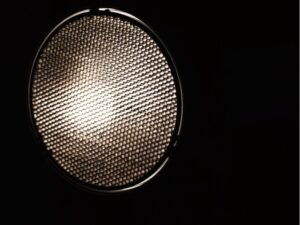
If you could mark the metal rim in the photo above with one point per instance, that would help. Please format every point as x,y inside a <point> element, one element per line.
<point>177,130</point>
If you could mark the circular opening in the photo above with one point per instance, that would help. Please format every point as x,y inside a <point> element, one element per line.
<point>105,100</point>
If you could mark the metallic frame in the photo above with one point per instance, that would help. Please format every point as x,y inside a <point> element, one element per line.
<point>157,168</point>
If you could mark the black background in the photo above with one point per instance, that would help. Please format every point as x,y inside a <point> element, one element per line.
<point>237,160</point>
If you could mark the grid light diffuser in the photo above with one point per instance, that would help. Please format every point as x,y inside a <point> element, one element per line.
<point>105,100</point>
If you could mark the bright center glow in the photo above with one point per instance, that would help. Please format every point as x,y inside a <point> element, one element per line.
<point>88,108</point>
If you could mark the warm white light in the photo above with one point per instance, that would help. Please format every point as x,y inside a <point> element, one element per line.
<point>88,108</point>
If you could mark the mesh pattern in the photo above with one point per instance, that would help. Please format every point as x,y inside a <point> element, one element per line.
<point>104,100</point>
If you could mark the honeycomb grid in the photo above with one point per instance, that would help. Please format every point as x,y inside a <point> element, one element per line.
<point>104,100</point>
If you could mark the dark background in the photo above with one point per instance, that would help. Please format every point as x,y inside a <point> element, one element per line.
<point>237,160</point>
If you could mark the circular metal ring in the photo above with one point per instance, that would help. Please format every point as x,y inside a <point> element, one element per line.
<point>159,164</point>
